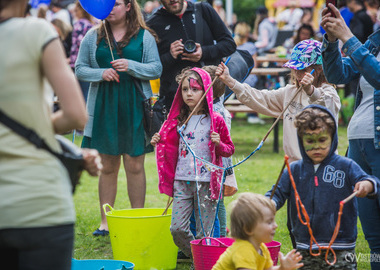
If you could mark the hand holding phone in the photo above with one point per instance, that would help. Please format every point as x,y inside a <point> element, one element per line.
<point>331,2</point>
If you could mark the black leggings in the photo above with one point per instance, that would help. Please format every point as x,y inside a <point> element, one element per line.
<point>42,248</point>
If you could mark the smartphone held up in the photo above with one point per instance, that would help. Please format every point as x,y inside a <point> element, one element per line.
<point>331,2</point>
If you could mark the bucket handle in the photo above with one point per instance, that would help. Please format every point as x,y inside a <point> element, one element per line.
<point>209,238</point>
<point>105,207</point>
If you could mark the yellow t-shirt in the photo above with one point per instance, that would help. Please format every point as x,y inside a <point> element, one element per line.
<point>34,186</point>
<point>242,254</point>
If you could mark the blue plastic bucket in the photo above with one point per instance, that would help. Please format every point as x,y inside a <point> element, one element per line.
<point>100,264</point>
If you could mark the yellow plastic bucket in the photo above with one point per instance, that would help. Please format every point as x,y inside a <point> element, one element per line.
<point>142,236</point>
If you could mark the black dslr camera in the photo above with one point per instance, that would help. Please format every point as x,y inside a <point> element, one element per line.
<point>190,46</point>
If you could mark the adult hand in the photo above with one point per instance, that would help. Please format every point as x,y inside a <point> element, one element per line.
<point>306,83</point>
<point>363,188</point>
<point>195,56</point>
<point>92,161</point>
<point>110,75</point>
<point>120,64</point>
<point>224,75</point>
<point>335,28</point>
<point>176,48</point>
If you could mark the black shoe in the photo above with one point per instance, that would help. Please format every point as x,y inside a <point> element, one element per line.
<point>181,257</point>
<point>100,232</point>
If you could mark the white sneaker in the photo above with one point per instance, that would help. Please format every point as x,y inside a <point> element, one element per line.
<point>255,120</point>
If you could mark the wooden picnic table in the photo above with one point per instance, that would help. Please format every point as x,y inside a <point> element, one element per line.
<point>270,71</point>
<point>270,58</point>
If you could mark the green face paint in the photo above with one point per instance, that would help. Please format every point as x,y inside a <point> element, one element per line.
<point>313,141</point>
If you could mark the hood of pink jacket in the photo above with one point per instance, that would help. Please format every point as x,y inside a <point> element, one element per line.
<point>167,148</point>
<point>178,100</point>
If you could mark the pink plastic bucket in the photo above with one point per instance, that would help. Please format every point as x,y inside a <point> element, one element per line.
<point>206,251</point>
<point>274,248</point>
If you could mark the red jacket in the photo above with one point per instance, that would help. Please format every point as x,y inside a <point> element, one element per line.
<point>167,148</point>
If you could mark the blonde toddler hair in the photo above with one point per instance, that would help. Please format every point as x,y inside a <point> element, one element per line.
<point>246,212</point>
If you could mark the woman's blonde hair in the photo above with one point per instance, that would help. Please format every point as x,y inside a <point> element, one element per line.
<point>85,14</point>
<point>64,28</point>
<point>242,31</point>
<point>42,11</point>
<point>134,21</point>
<point>246,212</point>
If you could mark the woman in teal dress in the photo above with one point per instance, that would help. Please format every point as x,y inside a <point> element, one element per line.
<point>115,106</point>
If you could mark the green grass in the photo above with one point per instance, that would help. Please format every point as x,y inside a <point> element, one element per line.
<point>257,175</point>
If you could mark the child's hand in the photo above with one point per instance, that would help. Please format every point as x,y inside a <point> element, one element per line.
<point>306,82</point>
<point>363,188</point>
<point>290,261</point>
<point>155,139</point>
<point>224,74</point>
<point>215,138</point>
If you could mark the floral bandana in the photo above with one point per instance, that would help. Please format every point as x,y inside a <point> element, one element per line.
<point>306,53</point>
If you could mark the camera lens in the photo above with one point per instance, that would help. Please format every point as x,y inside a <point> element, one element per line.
<point>190,46</point>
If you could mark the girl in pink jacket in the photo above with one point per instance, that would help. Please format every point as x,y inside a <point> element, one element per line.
<point>208,136</point>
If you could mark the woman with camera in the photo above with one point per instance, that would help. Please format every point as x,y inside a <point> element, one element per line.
<point>36,206</point>
<point>115,106</point>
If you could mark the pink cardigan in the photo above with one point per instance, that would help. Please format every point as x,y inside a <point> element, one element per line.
<point>167,148</point>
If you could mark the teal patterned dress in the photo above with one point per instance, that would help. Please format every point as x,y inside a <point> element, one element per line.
<point>118,119</point>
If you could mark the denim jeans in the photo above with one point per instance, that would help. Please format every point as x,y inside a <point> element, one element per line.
<point>368,158</point>
<point>43,248</point>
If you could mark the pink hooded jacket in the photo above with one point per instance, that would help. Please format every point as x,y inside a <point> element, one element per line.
<point>167,147</point>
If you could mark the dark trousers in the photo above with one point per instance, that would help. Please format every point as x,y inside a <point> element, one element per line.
<point>43,248</point>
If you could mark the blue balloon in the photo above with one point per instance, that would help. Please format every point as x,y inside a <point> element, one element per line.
<point>100,9</point>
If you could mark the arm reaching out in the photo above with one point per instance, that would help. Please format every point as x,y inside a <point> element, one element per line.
<point>224,74</point>
<point>335,28</point>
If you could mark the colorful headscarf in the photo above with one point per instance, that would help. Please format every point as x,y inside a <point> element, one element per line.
<point>306,53</point>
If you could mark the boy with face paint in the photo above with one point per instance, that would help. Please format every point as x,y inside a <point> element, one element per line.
<point>323,179</point>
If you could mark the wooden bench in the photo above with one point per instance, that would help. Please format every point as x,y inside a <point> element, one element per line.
<point>235,106</point>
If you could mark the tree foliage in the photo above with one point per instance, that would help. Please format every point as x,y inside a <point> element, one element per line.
<point>246,10</point>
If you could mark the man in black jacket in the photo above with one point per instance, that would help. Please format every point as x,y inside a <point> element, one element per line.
<point>175,25</point>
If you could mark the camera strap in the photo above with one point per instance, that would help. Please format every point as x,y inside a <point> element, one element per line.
<point>199,25</point>
<point>25,132</point>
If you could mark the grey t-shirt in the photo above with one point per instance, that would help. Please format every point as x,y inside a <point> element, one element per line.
<point>362,122</point>
<point>197,135</point>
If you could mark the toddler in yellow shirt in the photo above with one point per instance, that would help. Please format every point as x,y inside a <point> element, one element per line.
<point>252,225</point>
